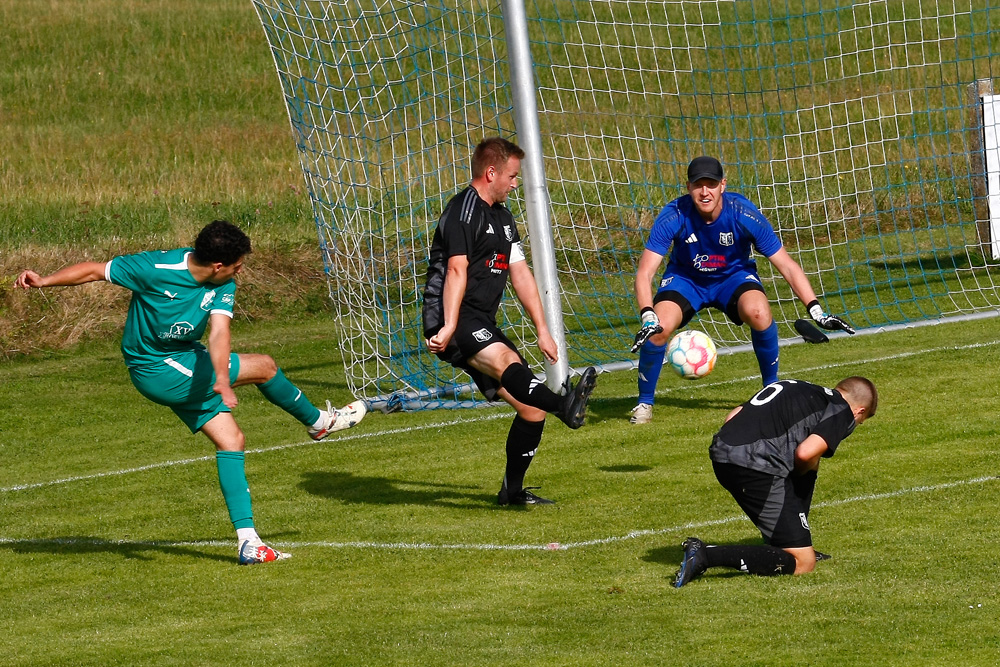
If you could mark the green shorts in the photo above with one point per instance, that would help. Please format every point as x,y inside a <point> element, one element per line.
<point>183,382</point>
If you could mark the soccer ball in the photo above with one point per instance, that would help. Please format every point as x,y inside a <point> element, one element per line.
<point>691,354</point>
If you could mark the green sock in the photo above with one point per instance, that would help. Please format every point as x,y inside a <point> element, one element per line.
<point>289,398</point>
<point>233,481</point>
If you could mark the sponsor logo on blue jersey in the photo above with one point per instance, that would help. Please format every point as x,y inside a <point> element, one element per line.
<point>709,263</point>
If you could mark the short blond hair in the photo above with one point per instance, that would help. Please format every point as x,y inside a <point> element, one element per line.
<point>860,392</point>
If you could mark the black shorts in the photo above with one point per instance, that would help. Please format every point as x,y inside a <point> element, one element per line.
<point>475,332</point>
<point>778,506</point>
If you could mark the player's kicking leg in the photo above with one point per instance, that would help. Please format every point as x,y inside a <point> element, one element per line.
<point>504,364</point>
<point>261,370</point>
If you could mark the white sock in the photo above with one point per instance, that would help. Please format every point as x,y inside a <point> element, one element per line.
<point>244,534</point>
<point>324,416</point>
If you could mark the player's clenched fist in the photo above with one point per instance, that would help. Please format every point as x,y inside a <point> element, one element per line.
<point>28,279</point>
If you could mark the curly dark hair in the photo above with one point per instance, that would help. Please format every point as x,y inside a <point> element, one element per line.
<point>221,241</point>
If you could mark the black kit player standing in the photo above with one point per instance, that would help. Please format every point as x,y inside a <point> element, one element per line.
<point>767,456</point>
<point>476,246</point>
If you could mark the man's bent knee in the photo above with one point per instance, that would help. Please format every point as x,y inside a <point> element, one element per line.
<point>256,369</point>
<point>530,414</point>
<point>755,310</point>
<point>494,360</point>
<point>661,338</point>
<point>805,559</point>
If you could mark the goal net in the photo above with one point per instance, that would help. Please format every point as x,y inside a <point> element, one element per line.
<point>857,128</point>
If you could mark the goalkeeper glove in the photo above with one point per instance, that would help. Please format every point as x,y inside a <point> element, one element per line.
<point>650,327</point>
<point>826,320</point>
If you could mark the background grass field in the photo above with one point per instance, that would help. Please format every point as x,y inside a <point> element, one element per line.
<point>116,549</point>
<point>127,125</point>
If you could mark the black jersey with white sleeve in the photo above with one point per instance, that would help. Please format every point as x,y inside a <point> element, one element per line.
<point>488,236</point>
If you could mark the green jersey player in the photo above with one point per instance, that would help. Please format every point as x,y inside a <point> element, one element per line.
<point>176,296</point>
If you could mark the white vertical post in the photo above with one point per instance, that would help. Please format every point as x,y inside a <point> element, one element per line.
<point>991,147</point>
<point>536,194</point>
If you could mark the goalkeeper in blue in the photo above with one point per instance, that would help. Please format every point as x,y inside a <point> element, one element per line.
<point>709,234</point>
<point>176,295</point>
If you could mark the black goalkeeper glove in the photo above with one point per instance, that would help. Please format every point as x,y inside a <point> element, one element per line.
<point>650,327</point>
<point>826,320</point>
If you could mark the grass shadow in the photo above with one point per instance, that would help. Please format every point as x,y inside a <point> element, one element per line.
<point>349,488</point>
<point>83,545</point>
<point>619,409</point>
<point>671,554</point>
<point>625,468</point>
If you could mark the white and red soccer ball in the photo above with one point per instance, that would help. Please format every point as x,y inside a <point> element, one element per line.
<point>691,354</point>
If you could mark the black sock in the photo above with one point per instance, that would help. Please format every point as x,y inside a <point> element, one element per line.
<point>522,384</point>
<point>762,559</point>
<point>522,443</point>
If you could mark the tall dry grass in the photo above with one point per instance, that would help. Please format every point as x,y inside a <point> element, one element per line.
<point>280,281</point>
<point>127,125</point>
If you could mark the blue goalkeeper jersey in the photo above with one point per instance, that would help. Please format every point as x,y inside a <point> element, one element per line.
<point>710,252</point>
<point>169,311</point>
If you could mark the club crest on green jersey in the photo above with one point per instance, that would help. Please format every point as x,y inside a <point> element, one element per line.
<point>207,299</point>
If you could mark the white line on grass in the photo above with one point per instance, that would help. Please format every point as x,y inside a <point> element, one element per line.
<point>427,546</point>
<point>454,422</point>
<point>259,450</point>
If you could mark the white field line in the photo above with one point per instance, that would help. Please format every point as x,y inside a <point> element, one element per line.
<point>259,450</point>
<point>427,546</point>
<point>455,422</point>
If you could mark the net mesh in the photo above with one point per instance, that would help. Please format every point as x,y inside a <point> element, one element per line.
<point>854,126</point>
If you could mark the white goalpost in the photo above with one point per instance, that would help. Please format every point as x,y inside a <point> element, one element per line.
<point>851,126</point>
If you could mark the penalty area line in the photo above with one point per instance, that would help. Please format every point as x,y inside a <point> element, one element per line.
<point>428,546</point>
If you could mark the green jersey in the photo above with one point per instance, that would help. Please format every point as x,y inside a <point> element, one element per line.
<point>169,310</point>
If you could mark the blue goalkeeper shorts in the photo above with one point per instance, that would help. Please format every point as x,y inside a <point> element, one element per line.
<point>692,296</point>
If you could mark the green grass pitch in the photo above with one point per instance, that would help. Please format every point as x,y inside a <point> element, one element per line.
<point>115,547</point>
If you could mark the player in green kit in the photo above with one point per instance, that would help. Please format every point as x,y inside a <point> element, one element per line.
<point>176,294</point>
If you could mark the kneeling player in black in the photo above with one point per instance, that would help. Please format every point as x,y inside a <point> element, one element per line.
<point>475,246</point>
<point>767,455</point>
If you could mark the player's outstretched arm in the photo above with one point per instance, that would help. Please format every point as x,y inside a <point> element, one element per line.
<point>526,289</point>
<point>77,274</point>
<point>797,280</point>
<point>793,275</point>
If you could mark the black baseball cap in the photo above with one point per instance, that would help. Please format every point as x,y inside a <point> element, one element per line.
<point>705,167</point>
